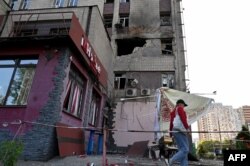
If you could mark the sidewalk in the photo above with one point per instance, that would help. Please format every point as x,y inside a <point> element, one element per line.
<point>113,160</point>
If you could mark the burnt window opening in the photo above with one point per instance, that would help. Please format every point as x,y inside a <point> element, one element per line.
<point>167,46</point>
<point>123,21</point>
<point>109,1</point>
<point>108,21</point>
<point>127,46</point>
<point>165,19</point>
<point>120,81</point>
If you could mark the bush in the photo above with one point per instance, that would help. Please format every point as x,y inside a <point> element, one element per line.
<point>10,152</point>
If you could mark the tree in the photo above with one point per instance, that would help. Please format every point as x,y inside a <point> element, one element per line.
<point>243,139</point>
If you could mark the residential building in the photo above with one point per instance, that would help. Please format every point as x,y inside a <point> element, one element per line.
<point>246,112</point>
<point>146,51</point>
<point>56,67</point>
<point>149,54</point>
<point>220,123</point>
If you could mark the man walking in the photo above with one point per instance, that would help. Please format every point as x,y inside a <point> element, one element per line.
<point>178,129</point>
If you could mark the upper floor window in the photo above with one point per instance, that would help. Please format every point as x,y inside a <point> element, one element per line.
<point>16,80</point>
<point>124,1</point>
<point>59,3</point>
<point>165,19</point>
<point>108,21</point>
<point>73,2</point>
<point>120,81</point>
<point>109,1</point>
<point>168,80</point>
<point>167,46</point>
<point>26,4</point>
<point>75,90</point>
<point>14,5</point>
<point>123,21</point>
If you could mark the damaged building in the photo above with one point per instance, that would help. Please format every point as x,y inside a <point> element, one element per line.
<point>107,58</point>
<point>147,39</point>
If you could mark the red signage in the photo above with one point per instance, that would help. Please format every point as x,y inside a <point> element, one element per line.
<point>91,55</point>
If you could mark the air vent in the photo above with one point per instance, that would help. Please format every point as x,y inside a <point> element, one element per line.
<point>145,92</point>
<point>131,92</point>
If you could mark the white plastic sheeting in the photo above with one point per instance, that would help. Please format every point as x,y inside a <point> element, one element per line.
<point>197,106</point>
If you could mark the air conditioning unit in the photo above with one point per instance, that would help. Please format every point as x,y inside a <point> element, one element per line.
<point>145,92</point>
<point>131,92</point>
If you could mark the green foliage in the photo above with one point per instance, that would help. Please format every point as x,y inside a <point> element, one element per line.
<point>10,151</point>
<point>243,135</point>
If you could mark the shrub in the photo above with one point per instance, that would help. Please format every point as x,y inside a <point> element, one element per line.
<point>10,152</point>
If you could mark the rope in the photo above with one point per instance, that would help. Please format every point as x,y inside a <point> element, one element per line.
<point>19,122</point>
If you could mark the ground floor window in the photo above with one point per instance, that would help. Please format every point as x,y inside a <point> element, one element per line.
<point>75,91</point>
<point>94,108</point>
<point>16,76</point>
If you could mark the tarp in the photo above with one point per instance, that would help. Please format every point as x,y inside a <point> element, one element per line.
<point>197,106</point>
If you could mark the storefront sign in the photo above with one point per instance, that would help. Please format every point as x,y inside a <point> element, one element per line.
<point>91,55</point>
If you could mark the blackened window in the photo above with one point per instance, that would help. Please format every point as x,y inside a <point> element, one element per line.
<point>120,81</point>
<point>16,80</point>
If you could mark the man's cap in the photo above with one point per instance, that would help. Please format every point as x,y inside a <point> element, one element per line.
<point>180,101</point>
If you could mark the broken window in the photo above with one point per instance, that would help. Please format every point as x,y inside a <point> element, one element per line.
<point>127,46</point>
<point>165,19</point>
<point>123,21</point>
<point>108,19</point>
<point>120,81</point>
<point>167,46</point>
<point>75,90</point>
<point>168,80</point>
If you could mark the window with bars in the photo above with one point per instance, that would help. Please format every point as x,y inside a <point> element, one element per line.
<point>75,90</point>
<point>16,80</point>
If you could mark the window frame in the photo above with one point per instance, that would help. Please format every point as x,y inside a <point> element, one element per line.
<point>73,3</point>
<point>80,82</point>
<point>26,4</point>
<point>17,64</point>
<point>117,79</point>
<point>94,114</point>
<point>59,3</point>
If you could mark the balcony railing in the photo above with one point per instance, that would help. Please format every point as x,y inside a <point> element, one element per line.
<point>37,24</point>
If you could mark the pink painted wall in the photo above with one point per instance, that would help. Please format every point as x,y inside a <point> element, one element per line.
<point>134,116</point>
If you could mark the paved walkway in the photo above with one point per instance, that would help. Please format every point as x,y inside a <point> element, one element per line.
<point>113,160</point>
